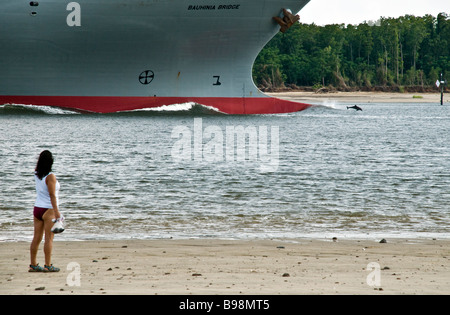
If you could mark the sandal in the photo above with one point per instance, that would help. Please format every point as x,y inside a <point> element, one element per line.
<point>50,268</point>
<point>36,268</point>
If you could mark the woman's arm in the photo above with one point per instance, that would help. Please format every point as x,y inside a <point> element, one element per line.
<point>51,184</point>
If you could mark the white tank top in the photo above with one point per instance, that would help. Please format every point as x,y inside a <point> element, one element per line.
<point>42,194</point>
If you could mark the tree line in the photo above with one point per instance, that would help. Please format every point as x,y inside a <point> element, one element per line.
<point>402,53</point>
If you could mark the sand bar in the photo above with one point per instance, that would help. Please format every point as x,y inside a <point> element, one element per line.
<point>222,267</point>
<point>363,97</point>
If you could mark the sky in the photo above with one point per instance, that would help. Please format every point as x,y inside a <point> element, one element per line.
<point>322,12</point>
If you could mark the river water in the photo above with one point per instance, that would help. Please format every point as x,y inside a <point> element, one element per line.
<point>186,171</point>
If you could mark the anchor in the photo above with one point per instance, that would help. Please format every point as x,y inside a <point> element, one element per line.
<point>287,21</point>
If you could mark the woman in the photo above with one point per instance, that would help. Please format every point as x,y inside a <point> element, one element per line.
<point>45,210</point>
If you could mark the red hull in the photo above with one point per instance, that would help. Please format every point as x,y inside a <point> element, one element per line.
<point>109,104</point>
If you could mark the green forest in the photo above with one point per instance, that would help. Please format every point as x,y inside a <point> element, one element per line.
<point>391,54</point>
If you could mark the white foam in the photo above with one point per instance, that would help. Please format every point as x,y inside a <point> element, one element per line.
<point>170,108</point>
<point>332,104</point>
<point>177,108</point>
<point>41,108</point>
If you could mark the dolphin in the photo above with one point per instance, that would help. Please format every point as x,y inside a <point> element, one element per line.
<point>355,107</point>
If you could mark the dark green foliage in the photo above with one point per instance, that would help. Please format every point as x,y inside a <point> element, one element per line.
<point>408,51</point>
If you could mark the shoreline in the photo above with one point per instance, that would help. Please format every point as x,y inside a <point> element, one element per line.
<point>226,267</point>
<point>363,97</point>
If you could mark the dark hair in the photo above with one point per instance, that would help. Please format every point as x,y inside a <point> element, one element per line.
<point>44,164</point>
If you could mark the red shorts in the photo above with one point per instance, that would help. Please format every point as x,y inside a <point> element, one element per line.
<point>39,212</point>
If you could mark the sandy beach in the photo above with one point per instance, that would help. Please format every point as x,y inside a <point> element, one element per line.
<point>222,267</point>
<point>362,97</point>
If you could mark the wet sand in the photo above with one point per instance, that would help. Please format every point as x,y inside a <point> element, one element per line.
<point>221,267</point>
<point>362,97</point>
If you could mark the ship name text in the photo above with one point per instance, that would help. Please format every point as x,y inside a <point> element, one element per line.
<point>214,7</point>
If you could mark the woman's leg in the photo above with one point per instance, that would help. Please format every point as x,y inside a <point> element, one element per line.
<point>37,238</point>
<point>48,216</point>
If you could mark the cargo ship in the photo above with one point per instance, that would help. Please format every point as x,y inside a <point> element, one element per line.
<point>119,55</point>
